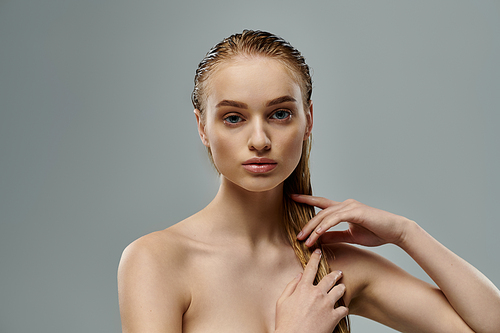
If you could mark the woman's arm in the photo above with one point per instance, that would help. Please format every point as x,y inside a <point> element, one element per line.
<point>463,289</point>
<point>469,292</point>
<point>152,297</point>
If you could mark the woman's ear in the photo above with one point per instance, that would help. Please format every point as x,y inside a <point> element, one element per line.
<point>201,128</point>
<point>309,121</point>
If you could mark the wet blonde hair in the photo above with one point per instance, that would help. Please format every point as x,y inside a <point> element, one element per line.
<point>296,215</point>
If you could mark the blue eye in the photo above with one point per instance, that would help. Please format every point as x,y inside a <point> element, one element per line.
<point>233,119</point>
<point>281,115</point>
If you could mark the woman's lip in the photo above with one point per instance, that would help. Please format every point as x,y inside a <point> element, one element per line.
<point>259,160</point>
<point>259,165</point>
<point>260,168</point>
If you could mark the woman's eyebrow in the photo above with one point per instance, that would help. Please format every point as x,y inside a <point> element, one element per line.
<point>234,104</point>
<point>280,100</point>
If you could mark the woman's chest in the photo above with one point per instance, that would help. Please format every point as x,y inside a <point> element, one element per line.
<point>236,296</point>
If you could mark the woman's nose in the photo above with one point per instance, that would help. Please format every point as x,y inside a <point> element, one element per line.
<point>259,138</point>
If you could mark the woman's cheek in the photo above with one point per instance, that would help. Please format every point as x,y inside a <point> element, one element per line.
<point>223,152</point>
<point>293,146</point>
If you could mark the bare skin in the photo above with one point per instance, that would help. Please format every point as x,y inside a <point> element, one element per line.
<point>224,281</point>
<point>210,276</point>
<point>229,268</point>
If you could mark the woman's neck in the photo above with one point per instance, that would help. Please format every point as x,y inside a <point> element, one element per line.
<point>249,216</point>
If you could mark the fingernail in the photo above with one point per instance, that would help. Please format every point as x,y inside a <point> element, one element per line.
<point>318,251</point>
<point>319,230</point>
<point>300,234</point>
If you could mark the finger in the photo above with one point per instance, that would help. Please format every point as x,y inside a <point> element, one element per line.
<point>337,292</point>
<point>313,201</point>
<point>337,211</point>
<point>313,223</point>
<point>340,312</point>
<point>312,267</point>
<point>322,226</point>
<point>327,221</point>
<point>327,283</point>
<point>290,288</point>
<point>308,228</point>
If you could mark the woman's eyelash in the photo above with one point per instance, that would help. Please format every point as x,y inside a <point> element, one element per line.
<point>281,114</point>
<point>232,119</point>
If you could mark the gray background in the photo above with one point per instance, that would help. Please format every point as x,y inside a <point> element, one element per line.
<point>98,143</point>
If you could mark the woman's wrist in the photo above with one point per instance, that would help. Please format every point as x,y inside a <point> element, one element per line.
<point>409,229</point>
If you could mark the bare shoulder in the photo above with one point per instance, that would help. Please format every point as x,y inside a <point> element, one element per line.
<point>160,249</point>
<point>153,294</point>
<point>354,260</point>
<point>378,289</point>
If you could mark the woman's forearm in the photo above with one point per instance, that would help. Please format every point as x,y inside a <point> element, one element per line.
<point>470,293</point>
<point>474,298</point>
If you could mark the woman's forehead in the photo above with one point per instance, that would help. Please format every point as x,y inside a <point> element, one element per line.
<point>254,80</point>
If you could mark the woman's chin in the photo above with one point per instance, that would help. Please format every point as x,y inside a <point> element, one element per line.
<point>257,184</point>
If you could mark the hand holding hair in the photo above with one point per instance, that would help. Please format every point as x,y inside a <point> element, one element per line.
<point>372,227</point>
<point>303,305</point>
<point>368,226</point>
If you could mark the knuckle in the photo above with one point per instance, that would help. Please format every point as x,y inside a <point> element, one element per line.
<point>328,281</point>
<point>313,262</point>
<point>342,216</point>
<point>341,289</point>
<point>322,227</point>
<point>322,212</point>
<point>338,291</point>
<point>317,293</point>
<point>329,210</point>
<point>331,277</point>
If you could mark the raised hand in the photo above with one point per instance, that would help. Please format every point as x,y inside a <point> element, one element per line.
<point>368,226</point>
<point>305,307</point>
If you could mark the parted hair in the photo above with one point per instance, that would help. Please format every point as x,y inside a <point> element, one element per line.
<point>260,43</point>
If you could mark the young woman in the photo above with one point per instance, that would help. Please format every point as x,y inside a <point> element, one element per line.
<point>256,259</point>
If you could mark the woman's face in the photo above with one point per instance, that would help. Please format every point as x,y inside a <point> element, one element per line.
<point>254,122</point>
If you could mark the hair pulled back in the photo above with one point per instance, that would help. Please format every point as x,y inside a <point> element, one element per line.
<point>260,43</point>
<point>251,43</point>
